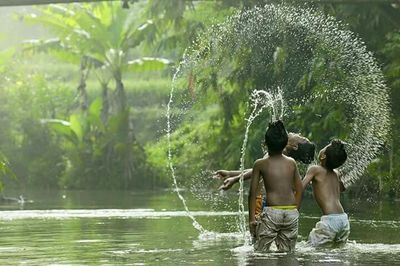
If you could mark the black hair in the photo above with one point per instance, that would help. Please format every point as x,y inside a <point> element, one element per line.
<point>335,154</point>
<point>304,153</point>
<point>276,137</point>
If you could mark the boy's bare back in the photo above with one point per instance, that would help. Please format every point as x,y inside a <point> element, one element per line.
<point>326,188</point>
<point>279,220</point>
<point>334,226</point>
<point>280,176</point>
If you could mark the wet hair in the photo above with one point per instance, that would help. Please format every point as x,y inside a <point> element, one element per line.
<point>304,153</point>
<point>276,137</point>
<point>335,154</point>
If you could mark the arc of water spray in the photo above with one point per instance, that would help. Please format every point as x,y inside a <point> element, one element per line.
<point>260,100</point>
<point>361,89</point>
<point>195,224</point>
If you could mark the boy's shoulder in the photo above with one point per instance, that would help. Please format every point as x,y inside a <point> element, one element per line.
<point>261,161</point>
<point>316,169</point>
<point>290,159</point>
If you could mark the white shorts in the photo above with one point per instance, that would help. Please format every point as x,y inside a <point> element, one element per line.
<point>332,229</point>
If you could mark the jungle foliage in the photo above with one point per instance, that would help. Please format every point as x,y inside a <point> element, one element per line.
<point>95,119</point>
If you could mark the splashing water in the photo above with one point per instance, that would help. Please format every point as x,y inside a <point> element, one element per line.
<point>170,164</point>
<point>310,57</point>
<point>260,100</point>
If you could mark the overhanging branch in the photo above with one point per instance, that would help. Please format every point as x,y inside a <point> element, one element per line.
<point>46,2</point>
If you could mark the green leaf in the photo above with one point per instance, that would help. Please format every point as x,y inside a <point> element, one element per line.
<point>76,126</point>
<point>61,127</point>
<point>95,107</point>
<point>94,114</point>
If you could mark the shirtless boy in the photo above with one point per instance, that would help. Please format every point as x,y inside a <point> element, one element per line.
<point>279,221</point>
<point>297,147</point>
<point>333,228</point>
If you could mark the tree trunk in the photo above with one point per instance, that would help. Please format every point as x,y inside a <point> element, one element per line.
<point>82,93</point>
<point>120,94</point>
<point>106,104</point>
<point>120,102</point>
<point>134,159</point>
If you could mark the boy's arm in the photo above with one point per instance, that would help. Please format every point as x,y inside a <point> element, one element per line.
<point>252,197</point>
<point>309,176</point>
<point>223,174</point>
<point>298,187</point>
<point>230,181</point>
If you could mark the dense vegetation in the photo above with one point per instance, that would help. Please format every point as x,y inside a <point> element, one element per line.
<point>84,107</point>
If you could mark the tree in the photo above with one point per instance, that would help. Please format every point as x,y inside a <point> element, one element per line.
<point>100,37</point>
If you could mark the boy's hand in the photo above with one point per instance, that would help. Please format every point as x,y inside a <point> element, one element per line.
<point>228,183</point>
<point>221,174</point>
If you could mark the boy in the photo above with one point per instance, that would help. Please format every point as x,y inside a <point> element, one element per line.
<point>279,221</point>
<point>298,148</point>
<point>333,228</point>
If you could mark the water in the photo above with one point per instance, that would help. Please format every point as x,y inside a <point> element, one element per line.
<point>260,100</point>
<point>272,49</point>
<point>309,56</point>
<point>170,163</point>
<point>150,228</point>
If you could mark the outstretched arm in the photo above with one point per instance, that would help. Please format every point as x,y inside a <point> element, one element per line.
<point>230,181</point>
<point>252,197</point>
<point>223,174</point>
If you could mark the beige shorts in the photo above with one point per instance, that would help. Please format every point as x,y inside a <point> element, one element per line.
<point>279,226</point>
<point>331,230</point>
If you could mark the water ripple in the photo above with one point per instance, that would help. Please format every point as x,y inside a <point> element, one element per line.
<point>104,213</point>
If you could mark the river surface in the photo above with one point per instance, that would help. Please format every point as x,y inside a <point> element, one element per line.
<point>151,228</point>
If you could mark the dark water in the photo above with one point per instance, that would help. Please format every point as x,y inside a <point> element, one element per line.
<point>149,228</point>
